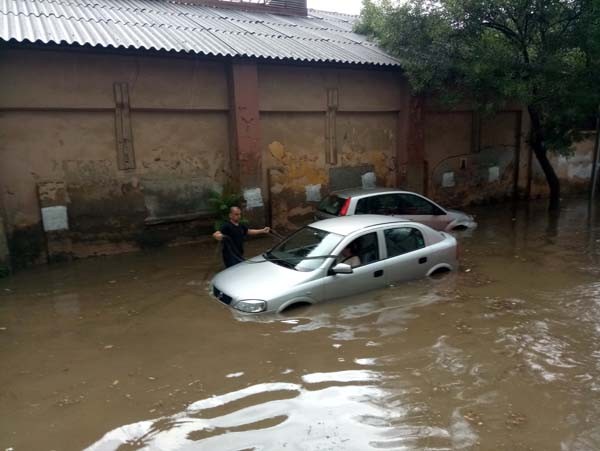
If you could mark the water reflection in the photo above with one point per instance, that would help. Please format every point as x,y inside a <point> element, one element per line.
<point>379,313</point>
<point>290,416</point>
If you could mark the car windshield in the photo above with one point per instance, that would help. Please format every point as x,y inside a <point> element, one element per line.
<point>332,204</point>
<point>305,250</point>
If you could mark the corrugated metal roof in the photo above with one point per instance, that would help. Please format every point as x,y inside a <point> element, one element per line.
<point>203,30</point>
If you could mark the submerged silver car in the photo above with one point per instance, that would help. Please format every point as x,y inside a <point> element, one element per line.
<point>334,258</point>
<point>387,201</point>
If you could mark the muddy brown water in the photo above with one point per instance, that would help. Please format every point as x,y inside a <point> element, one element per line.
<point>130,352</point>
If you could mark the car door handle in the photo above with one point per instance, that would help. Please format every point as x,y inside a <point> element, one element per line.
<point>378,273</point>
<point>422,260</point>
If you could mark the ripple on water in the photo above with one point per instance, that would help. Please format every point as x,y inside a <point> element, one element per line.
<point>384,313</point>
<point>296,418</point>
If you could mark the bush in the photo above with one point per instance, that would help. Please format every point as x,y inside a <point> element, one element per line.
<point>221,203</point>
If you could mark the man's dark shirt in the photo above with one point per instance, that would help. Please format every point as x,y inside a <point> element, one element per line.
<point>233,243</point>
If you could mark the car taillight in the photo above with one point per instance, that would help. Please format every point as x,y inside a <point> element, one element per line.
<point>344,209</point>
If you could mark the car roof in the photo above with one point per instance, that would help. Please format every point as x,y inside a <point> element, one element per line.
<point>345,225</point>
<point>354,192</point>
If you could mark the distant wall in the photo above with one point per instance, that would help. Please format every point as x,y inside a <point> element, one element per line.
<point>470,158</point>
<point>574,170</point>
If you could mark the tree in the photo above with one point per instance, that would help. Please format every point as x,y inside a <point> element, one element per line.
<point>543,54</point>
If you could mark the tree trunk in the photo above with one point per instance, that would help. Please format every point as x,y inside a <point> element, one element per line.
<point>541,153</point>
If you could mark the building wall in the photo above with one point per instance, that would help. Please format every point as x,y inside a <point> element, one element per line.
<point>318,127</point>
<point>60,127</point>
<point>574,170</point>
<point>471,159</point>
<point>297,154</point>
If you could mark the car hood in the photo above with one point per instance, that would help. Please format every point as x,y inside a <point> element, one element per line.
<point>259,279</point>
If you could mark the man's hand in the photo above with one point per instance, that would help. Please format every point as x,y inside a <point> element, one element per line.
<point>218,235</point>
<point>263,231</point>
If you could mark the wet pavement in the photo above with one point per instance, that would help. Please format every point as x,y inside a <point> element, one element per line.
<point>126,352</point>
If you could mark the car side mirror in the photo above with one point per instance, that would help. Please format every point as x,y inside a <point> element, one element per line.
<point>342,268</point>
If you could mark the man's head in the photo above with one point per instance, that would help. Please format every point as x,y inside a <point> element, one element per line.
<point>235,214</point>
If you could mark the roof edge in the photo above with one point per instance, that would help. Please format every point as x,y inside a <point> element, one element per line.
<point>280,8</point>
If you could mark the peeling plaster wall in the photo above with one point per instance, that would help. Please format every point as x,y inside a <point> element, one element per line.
<point>447,135</point>
<point>369,138</point>
<point>61,127</point>
<point>58,130</point>
<point>574,171</point>
<point>470,161</point>
<point>181,158</point>
<point>295,148</point>
<point>294,158</point>
<point>469,166</point>
<point>293,103</point>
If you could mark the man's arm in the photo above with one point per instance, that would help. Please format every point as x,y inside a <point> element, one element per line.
<point>262,231</point>
<point>222,232</point>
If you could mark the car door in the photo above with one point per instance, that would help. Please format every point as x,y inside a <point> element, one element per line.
<point>369,275</point>
<point>419,209</point>
<point>407,254</point>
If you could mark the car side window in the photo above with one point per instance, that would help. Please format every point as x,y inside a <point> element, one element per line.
<point>409,204</point>
<point>361,251</point>
<point>384,204</point>
<point>366,205</point>
<point>402,240</point>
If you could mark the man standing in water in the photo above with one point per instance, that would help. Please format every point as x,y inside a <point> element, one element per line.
<point>232,234</point>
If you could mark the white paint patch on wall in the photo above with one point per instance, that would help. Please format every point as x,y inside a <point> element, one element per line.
<point>579,170</point>
<point>368,180</point>
<point>313,193</point>
<point>493,174</point>
<point>448,179</point>
<point>253,198</point>
<point>578,166</point>
<point>55,218</point>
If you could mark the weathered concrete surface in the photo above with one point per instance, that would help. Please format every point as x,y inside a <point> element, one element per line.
<point>246,156</point>
<point>180,137</point>
<point>54,203</point>
<point>366,138</point>
<point>84,80</point>
<point>294,104</point>
<point>413,172</point>
<point>5,267</point>
<point>296,157</point>
<point>292,125</point>
<point>573,170</point>
<point>303,89</point>
<point>471,160</point>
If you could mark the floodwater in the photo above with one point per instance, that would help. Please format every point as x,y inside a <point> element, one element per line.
<point>130,352</point>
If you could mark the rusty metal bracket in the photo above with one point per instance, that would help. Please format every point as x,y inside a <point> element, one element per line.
<point>125,154</point>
